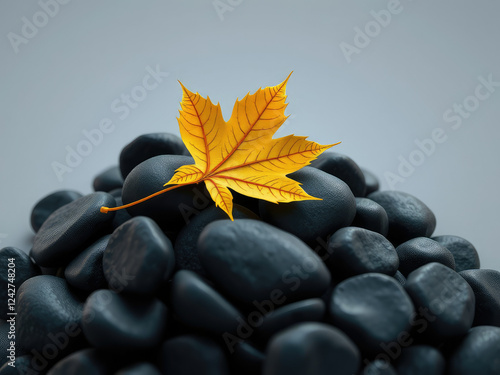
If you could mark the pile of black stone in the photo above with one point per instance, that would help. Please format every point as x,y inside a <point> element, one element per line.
<point>351,284</point>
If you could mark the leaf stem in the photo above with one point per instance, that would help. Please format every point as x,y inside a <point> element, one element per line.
<point>105,210</point>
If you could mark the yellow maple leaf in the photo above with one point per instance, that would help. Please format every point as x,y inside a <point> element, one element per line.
<point>241,154</point>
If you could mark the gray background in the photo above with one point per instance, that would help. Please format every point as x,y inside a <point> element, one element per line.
<point>393,92</point>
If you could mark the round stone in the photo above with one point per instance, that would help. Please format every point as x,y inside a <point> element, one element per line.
<point>115,321</point>
<point>371,215</point>
<point>71,229</point>
<point>15,268</point>
<point>420,251</point>
<point>139,258</point>
<point>147,146</point>
<point>246,359</point>
<point>173,209</point>
<point>421,359</point>
<point>48,314</point>
<point>408,216</point>
<point>400,278</point>
<point>143,368</point>
<point>85,271</point>
<point>186,252</point>
<point>372,183</point>
<point>191,354</point>
<point>486,287</point>
<point>311,348</point>
<point>47,205</point>
<point>478,353</point>
<point>108,180</point>
<point>189,292</point>
<point>313,220</point>
<point>379,367</point>
<point>343,167</point>
<point>444,298</point>
<point>254,261</point>
<point>87,361</point>
<point>308,310</point>
<point>354,251</point>
<point>372,309</point>
<point>464,253</point>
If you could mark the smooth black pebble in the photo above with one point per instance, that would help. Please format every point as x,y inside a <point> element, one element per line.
<point>379,367</point>
<point>400,278</point>
<point>173,209</point>
<point>408,216</point>
<point>245,359</point>
<point>186,253</point>
<point>311,348</point>
<point>85,362</point>
<point>313,220</point>
<point>372,182</point>
<point>198,305</point>
<point>254,261</point>
<point>478,353</point>
<point>139,258</point>
<point>419,251</point>
<point>486,287</point>
<point>371,215</point>
<point>343,167</point>
<point>21,269</point>
<point>420,360</point>
<point>464,253</point>
<point>144,368</point>
<point>147,146</point>
<point>191,354</point>
<point>372,309</point>
<point>85,271</point>
<point>48,313</point>
<point>47,205</point>
<point>70,229</point>
<point>444,297</point>
<point>308,310</point>
<point>354,251</point>
<point>108,180</point>
<point>112,320</point>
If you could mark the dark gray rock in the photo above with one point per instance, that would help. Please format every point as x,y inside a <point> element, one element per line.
<point>408,216</point>
<point>371,215</point>
<point>190,354</point>
<point>70,229</point>
<point>147,146</point>
<point>48,314</point>
<point>108,180</point>
<point>254,261</point>
<point>445,296</point>
<point>47,205</point>
<point>419,251</point>
<point>464,253</point>
<point>420,359</point>
<point>372,309</point>
<point>486,287</point>
<point>478,353</point>
<point>85,271</point>
<point>343,167</point>
<point>311,348</point>
<point>353,251</point>
<point>143,368</point>
<point>111,320</point>
<point>186,253</point>
<point>22,268</point>
<point>139,258</point>
<point>198,305</point>
<point>313,220</point>
<point>372,183</point>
